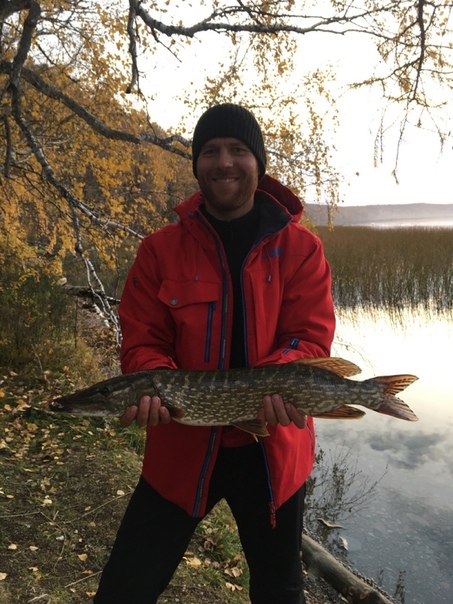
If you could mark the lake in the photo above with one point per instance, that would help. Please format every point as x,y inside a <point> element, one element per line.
<point>446,223</point>
<point>405,532</point>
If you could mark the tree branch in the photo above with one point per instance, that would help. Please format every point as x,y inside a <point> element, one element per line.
<point>25,42</point>
<point>354,589</point>
<point>9,7</point>
<point>94,122</point>
<point>132,45</point>
<point>9,147</point>
<point>421,58</point>
<point>274,23</point>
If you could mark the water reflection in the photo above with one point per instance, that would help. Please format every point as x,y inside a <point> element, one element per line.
<point>407,526</point>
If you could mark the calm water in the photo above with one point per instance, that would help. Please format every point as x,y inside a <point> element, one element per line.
<point>446,223</point>
<point>407,527</point>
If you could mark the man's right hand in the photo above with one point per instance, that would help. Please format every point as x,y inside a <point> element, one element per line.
<point>149,412</point>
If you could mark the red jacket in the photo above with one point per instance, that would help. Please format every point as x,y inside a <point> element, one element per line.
<point>176,311</point>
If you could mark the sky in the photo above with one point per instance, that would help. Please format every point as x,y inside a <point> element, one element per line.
<point>425,173</point>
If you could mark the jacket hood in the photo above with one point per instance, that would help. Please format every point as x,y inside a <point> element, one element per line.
<point>267,185</point>
<point>283,195</point>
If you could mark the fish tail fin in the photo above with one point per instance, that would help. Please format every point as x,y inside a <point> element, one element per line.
<point>390,404</point>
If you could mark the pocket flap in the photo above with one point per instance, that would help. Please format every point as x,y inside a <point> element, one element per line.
<point>178,294</point>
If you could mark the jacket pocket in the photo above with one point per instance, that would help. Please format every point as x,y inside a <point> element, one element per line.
<point>192,305</point>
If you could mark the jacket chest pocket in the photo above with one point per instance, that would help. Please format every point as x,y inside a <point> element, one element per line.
<point>193,306</point>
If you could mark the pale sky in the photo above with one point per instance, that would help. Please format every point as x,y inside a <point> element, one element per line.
<point>425,173</point>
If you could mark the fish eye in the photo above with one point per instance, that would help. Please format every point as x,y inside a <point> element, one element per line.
<point>105,391</point>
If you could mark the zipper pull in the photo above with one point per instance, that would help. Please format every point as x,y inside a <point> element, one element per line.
<point>273,513</point>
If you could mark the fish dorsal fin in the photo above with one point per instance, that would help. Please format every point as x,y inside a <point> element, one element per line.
<point>343,412</point>
<point>340,367</point>
<point>253,426</point>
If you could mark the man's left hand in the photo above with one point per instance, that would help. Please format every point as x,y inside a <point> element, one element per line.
<point>275,411</point>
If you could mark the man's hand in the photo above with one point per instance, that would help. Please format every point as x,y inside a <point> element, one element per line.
<point>148,412</point>
<point>275,411</point>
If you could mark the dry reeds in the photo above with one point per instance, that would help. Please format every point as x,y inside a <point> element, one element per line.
<point>394,268</point>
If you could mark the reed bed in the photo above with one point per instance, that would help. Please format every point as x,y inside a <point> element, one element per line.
<point>395,268</point>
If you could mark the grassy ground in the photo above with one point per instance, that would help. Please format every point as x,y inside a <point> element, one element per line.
<point>65,485</point>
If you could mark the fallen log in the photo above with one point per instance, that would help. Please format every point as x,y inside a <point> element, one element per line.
<point>353,589</point>
<point>84,291</point>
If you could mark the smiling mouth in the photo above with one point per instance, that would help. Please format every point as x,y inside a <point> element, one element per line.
<point>226,180</point>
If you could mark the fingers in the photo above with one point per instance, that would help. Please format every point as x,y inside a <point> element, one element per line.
<point>148,412</point>
<point>275,412</point>
<point>298,419</point>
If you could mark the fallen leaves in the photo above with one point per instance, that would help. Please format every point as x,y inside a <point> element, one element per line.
<point>192,560</point>
<point>63,494</point>
<point>229,567</point>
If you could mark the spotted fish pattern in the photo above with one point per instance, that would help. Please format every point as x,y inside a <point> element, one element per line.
<point>319,387</point>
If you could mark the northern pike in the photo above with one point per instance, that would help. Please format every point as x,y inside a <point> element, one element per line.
<point>318,387</point>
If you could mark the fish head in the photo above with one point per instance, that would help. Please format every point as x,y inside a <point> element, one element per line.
<point>109,398</point>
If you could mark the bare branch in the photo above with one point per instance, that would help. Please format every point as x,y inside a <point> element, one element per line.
<point>132,45</point>
<point>25,42</point>
<point>9,147</point>
<point>421,58</point>
<point>273,24</point>
<point>9,7</point>
<point>96,124</point>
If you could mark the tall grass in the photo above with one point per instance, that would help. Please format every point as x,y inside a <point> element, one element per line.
<point>394,268</point>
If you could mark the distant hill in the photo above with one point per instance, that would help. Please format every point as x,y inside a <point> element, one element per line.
<point>379,215</point>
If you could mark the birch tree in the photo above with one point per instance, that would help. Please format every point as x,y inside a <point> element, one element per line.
<point>85,167</point>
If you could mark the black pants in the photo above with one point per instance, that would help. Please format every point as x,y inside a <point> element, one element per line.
<point>155,533</point>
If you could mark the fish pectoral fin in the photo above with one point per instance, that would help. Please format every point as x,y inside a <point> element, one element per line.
<point>340,367</point>
<point>175,412</point>
<point>343,412</point>
<point>253,426</point>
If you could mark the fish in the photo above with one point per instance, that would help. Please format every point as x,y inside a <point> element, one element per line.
<point>319,387</point>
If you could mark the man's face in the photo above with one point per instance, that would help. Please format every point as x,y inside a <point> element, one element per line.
<point>228,173</point>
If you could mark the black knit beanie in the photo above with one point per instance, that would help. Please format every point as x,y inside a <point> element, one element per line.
<point>228,120</point>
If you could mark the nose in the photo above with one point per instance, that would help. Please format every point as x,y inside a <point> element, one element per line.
<point>225,158</point>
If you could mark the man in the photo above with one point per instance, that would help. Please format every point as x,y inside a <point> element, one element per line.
<point>236,282</point>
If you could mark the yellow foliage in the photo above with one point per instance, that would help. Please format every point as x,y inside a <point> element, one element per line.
<point>84,172</point>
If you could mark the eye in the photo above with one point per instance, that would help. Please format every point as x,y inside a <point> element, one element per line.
<point>240,150</point>
<point>208,151</point>
<point>105,391</point>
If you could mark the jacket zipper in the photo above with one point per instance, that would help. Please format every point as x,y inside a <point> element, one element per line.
<point>214,431</point>
<point>244,309</point>
<point>221,365</point>
<point>207,461</point>
<point>207,350</point>
<point>225,297</point>
<point>272,508</point>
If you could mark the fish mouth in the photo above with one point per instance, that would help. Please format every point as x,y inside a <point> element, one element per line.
<point>89,409</point>
<point>61,407</point>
